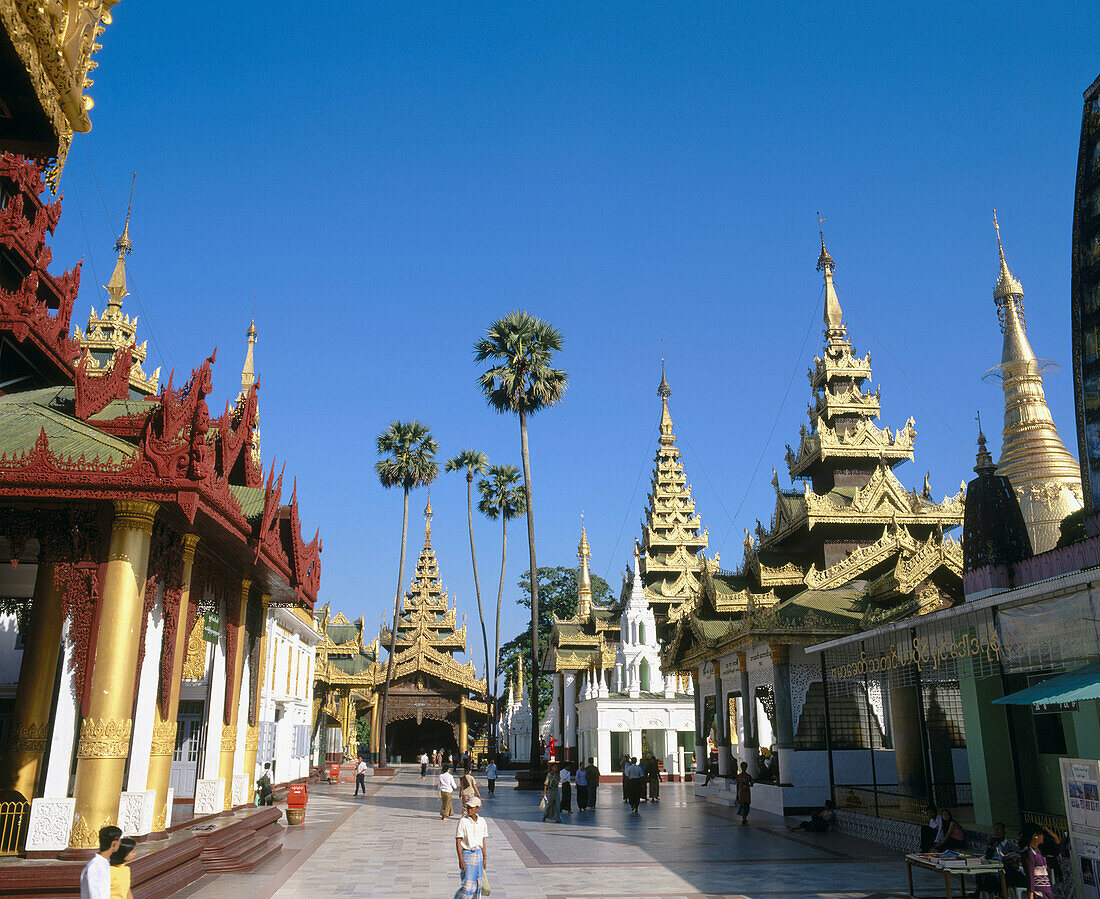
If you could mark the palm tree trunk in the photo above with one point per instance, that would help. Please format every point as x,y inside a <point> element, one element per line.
<point>393,633</point>
<point>535,758</point>
<point>500,597</point>
<point>477,585</point>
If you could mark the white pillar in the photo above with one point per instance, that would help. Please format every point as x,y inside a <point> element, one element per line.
<point>603,750</point>
<point>242,714</point>
<point>617,684</point>
<point>636,743</point>
<point>671,745</point>
<point>569,738</point>
<point>141,743</point>
<point>215,709</point>
<point>635,685</point>
<point>60,759</point>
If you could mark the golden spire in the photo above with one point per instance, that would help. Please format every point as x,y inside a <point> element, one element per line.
<point>834,318</point>
<point>116,287</point>
<point>519,677</point>
<point>428,521</point>
<point>248,373</point>
<point>1041,470</point>
<point>584,581</point>
<point>664,392</point>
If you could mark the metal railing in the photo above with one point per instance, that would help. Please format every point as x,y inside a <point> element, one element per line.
<point>13,823</point>
<point>894,803</point>
<point>1056,824</point>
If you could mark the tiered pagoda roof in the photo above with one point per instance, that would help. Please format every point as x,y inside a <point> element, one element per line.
<point>585,641</point>
<point>672,542</point>
<point>849,548</point>
<point>344,656</point>
<point>427,636</point>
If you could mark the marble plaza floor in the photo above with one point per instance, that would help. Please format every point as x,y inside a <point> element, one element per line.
<point>393,844</point>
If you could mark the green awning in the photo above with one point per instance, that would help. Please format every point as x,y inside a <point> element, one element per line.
<point>1073,686</point>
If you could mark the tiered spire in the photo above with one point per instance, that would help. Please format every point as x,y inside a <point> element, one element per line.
<point>248,378</point>
<point>427,632</point>
<point>1044,475</point>
<point>671,538</point>
<point>584,579</point>
<point>842,432</point>
<point>114,329</point>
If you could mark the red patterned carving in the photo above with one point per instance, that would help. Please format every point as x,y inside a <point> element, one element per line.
<point>235,427</point>
<point>233,626</point>
<point>307,557</point>
<point>79,585</point>
<point>42,466</point>
<point>268,538</point>
<point>166,575</point>
<point>95,392</point>
<point>175,439</point>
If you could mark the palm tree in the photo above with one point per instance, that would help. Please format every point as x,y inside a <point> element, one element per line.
<point>407,450</point>
<point>521,381</point>
<point>502,498</point>
<point>473,462</point>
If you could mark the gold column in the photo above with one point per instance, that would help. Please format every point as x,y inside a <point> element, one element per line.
<point>164,726</point>
<point>105,733</point>
<point>229,731</point>
<point>37,682</point>
<point>463,737</point>
<point>374,727</point>
<point>252,737</point>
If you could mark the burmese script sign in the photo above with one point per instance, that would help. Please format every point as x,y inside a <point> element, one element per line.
<point>923,653</point>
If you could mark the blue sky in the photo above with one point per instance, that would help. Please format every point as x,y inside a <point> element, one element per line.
<point>387,178</point>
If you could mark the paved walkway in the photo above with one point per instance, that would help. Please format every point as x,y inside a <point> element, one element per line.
<point>393,844</point>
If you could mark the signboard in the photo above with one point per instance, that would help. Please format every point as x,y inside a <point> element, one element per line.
<point>1081,791</point>
<point>1048,708</point>
<point>211,627</point>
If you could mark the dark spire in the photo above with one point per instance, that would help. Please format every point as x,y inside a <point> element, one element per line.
<point>994,532</point>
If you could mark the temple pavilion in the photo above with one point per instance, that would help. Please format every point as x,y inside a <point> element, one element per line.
<point>146,546</point>
<point>345,675</point>
<point>849,547</point>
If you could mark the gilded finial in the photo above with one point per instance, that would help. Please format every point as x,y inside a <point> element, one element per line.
<point>984,459</point>
<point>1007,285</point>
<point>664,392</point>
<point>428,518</point>
<point>123,245</point>
<point>824,259</point>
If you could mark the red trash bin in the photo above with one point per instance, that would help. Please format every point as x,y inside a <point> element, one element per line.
<point>334,773</point>
<point>296,799</point>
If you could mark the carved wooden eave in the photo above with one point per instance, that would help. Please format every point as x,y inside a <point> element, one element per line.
<point>423,658</point>
<point>786,575</point>
<point>894,540</point>
<point>865,440</point>
<point>842,364</point>
<point>851,402</point>
<point>55,44</point>
<point>884,499</point>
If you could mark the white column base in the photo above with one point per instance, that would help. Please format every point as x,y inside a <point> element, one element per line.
<point>50,825</point>
<point>240,790</point>
<point>168,808</point>
<point>209,795</point>
<point>135,812</point>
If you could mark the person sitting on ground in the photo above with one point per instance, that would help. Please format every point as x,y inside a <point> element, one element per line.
<point>1001,849</point>
<point>951,834</point>
<point>95,879</point>
<point>120,868</point>
<point>931,834</point>
<point>819,821</point>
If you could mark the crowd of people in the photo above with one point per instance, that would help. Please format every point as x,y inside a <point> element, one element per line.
<point>557,788</point>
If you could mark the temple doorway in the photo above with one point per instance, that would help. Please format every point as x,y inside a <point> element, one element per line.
<point>408,739</point>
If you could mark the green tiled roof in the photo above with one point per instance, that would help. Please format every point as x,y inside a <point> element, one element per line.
<point>23,416</point>
<point>728,584</point>
<point>122,408</point>
<point>251,500</point>
<point>351,664</point>
<point>342,633</point>
<point>842,606</point>
<point>713,628</point>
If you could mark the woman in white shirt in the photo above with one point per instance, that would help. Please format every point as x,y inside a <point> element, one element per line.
<point>566,790</point>
<point>470,845</point>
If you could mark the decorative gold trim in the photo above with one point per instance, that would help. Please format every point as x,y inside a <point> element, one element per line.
<point>190,544</point>
<point>194,667</point>
<point>108,738</point>
<point>135,514</point>
<point>229,738</point>
<point>252,739</point>
<point>29,738</point>
<point>164,738</point>
<point>84,835</point>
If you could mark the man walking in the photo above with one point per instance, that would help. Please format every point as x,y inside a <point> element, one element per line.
<point>593,781</point>
<point>582,788</point>
<point>744,784</point>
<point>423,764</point>
<point>447,786</point>
<point>635,781</point>
<point>653,775</point>
<point>361,777</point>
<point>491,775</point>
<point>624,764</point>
<point>470,845</point>
<point>95,879</point>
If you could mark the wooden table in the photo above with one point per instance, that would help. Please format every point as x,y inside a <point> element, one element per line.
<point>949,871</point>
